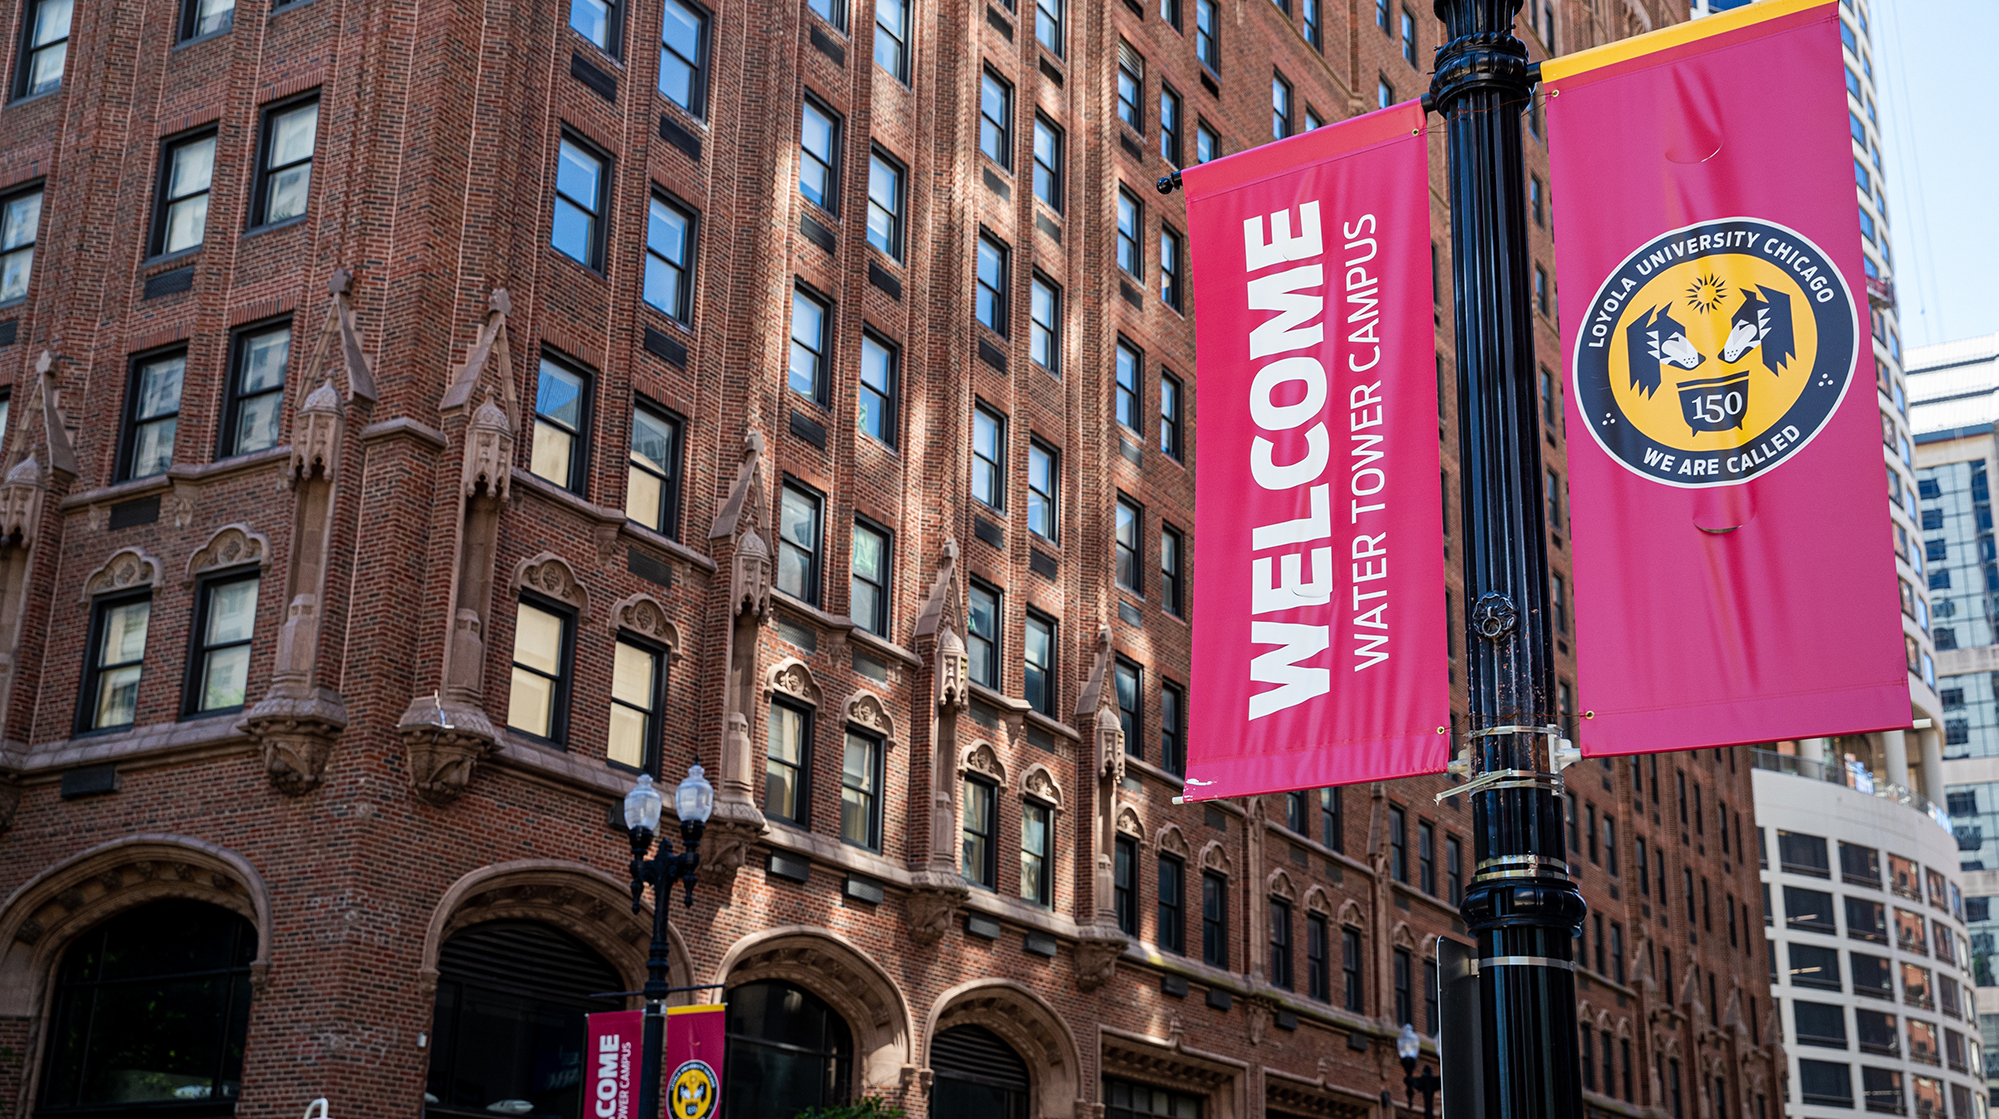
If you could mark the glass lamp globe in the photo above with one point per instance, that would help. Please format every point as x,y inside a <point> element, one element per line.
<point>694,800</point>
<point>643,805</point>
<point>1406,1043</point>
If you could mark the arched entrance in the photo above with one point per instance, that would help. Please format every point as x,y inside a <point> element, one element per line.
<point>787,1051</point>
<point>977,1075</point>
<point>151,1008</point>
<point>507,1031</point>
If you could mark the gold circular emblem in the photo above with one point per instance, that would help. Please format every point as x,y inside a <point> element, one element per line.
<point>692,1092</point>
<point>1715,352</point>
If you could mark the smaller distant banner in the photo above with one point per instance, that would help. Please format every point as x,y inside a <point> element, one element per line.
<point>611,1064</point>
<point>1321,656</point>
<point>694,1039</point>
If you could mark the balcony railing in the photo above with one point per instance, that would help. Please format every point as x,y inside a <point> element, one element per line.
<point>1854,776</point>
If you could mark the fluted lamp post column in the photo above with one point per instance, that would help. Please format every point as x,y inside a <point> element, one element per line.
<point>693,802</point>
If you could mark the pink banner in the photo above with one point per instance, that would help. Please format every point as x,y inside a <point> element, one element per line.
<point>611,1064</point>
<point>695,1036</point>
<point>1319,653</point>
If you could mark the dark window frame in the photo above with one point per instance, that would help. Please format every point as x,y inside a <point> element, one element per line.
<point>1318,971</point>
<point>683,313</point>
<point>996,499</point>
<point>1052,173</point>
<point>267,116</point>
<point>1172,908</point>
<point>1002,127</point>
<point>1001,288</point>
<point>1124,884</point>
<point>563,694</point>
<point>1173,277</point>
<point>897,213</point>
<point>697,83</point>
<point>232,393</point>
<point>1051,671</point>
<point>128,429</point>
<point>996,642</point>
<point>815,557</point>
<point>822,371</point>
<point>878,759</point>
<point>829,199</point>
<point>891,401</point>
<point>1214,919</point>
<point>614,29</point>
<point>162,180</point>
<point>1171,422</point>
<point>1135,549</point>
<point>670,496</point>
<point>1171,590</point>
<point>25,51</point>
<point>579,448</point>
<point>1172,728</point>
<point>1353,974</point>
<point>1280,970</point>
<point>1050,498</point>
<point>885,586</point>
<point>989,873</point>
<point>652,749</point>
<point>93,671</point>
<point>1044,888</point>
<point>35,187</point>
<point>808,734</point>
<point>198,650</point>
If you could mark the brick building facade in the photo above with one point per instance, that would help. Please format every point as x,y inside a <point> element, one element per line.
<point>499,400</point>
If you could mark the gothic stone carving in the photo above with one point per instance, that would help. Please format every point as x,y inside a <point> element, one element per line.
<point>933,899</point>
<point>791,677</point>
<point>489,451</point>
<point>315,435</point>
<point>551,575</point>
<point>127,567</point>
<point>444,747</point>
<point>231,545</point>
<point>643,614</point>
<point>298,734</point>
<point>21,502</point>
<point>1097,952</point>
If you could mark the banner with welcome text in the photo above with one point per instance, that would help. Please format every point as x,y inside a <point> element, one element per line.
<point>1320,654</point>
<point>1734,577</point>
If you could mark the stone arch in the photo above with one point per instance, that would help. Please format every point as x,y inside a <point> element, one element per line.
<point>1428,947</point>
<point>127,568</point>
<point>838,971</point>
<point>48,911</point>
<point>866,709</point>
<point>645,615</point>
<point>793,677</point>
<point>1317,901</point>
<point>551,575</point>
<point>1278,885</point>
<point>231,545</point>
<point>1170,842</point>
<point>1026,1022</point>
<point>1401,937</point>
<point>1038,782</point>
<point>579,899</point>
<point>1623,1028</point>
<point>1350,914</point>
<point>980,758</point>
<point>1130,823</point>
<point>1603,1022</point>
<point>1215,857</point>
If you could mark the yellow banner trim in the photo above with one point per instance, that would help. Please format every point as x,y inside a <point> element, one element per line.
<point>1679,34</point>
<point>703,1008</point>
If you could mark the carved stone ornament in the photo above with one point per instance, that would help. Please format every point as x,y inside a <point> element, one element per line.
<point>865,709</point>
<point>444,743</point>
<point>1215,857</point>
<point>1257,1012</point>
<point>1110,746</point>
<point>489,450</point>
<point>741,519</point>
<point>21,502</point>
<point>316,435</point>
<point>1129,824</point>
<point>1040,784</point>
<point>933,899</point>
<point>1097,950</point>
<point>549,574</point>
<point>646,616</point>
<point>127,568</point>
<point>1278,885</point>
<point>953,672</point>
<point>980,759</point>
<point>1171,842</point>
<point>732,831</point>
<point>298,735</point>
<point>231,545</point>
<point>791,677</point>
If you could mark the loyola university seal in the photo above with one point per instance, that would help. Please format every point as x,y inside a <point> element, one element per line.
<point>1715,352</point>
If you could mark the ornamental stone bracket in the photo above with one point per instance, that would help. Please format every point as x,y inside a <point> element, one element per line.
<point>298,734</point>
<point>732,830</point>
<point>933,900</point>
<point>444,743</point>
<point>1097,950</point>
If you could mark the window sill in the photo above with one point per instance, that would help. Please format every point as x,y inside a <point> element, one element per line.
<point>553,765</point>
<point>36,97</point>
<point>1055,726</point>
<point>1006,703</point>
<point>667,544</point>
<point>289,6</point>
<point>210,37</point>
<point>812,613</point>
<point>883,645</point>
<point>210,735</point>
<point>1346,861</point>
<point>592,272</point>
<point>578,38</point>
<point>167,262</point>
<point>272,227</point>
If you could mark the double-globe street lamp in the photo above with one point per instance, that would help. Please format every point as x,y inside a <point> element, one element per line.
<point>693,801</point>
<point>1409,1047</point>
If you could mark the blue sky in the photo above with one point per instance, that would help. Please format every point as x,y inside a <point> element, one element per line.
<point>1940,134</point>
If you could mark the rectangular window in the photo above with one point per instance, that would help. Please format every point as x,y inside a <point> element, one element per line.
<point>1129,518</point>
<point>833,12</point>
<point>597,21</point>
<point>788,764</point>
<point>652,477</point>
<point>638,697</point>
<point>1454,872</point>
<point>1169,568</point>
<point>982,634</point>
<point>1280,107</point>
<point>1332,819</point>
<point>1409,51</point>
<point>1207,144</point>
<point>1130,87</point>
<point>798,543</point>
<point>252,405</point>
<point>1038,655</point>
<point>219,666</point>
<point>1535,203</point>
<point>1405,1009</point>
<point>1172,905</point>
<point>1811,911</point>
<point>561,419</point>
<point>885,203</point>
<point>544,640</point>
<point>1398,843</point>
<point>1426,857</point>
<point>1797,853</point>
<point>991,298</point>
<point>1126,393</point>
<point>180,205</point>
<point>1172,739</point>
<point>1280,943</point>
<point>819,155</point>
<point>1169,10</point>
<point>1169,124</point>
<point>1130,216</point>
<point>996,119</point>
<point>1048,25</point>
<point>1813,966</point>
<point>860,790</point>
<point>1350,973</point>
<point>1542,299</point>
<point>20,223</point>
<point>284,163</point>
<point>117,658</point>
<point>1214,919</point>
<point>1170,280</point>
<point>1048,163</point>
<point>1129,681</point>
<point>1037,833</point>
<point>1384,94</point>
<point>683,54</point>
<point>669,259</point>
<point>1043,475</point>
<point>1044,324</point>
<point>892,37</point>
<point>1309,15</point>
<point>979,861</point>
<point>881,372</point>
<point>1318,977</point>
<point>1169,414</point>
<point>582,186</point>
<point>868,594</point>
<point>1207,25</point>
<point>44,46</point>
<point>810,321</point>
<point>989,457</point>
<point>152,411</point>
<point>1124,885</point>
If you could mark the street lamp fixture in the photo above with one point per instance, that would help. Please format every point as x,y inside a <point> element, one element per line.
<point>693,802</point>
<point>1408,1047</point>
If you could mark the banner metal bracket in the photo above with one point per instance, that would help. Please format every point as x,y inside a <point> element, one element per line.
<point>1506,779</point>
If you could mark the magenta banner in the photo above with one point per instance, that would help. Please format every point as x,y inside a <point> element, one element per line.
<point>1320,655</point>
<point>611,1064</point>
<point>695,1036</point>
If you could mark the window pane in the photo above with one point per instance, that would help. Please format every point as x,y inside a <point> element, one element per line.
<point>815,167</point>
<point>232,612</point>
<point>159,386</point>
<point>193,167</point>
<point>808,329</point>
<point>531,702</point>
<point>625,741</point>
<point>857,790</point>
<point>153,448</point>
<point>632,673</point>
<point>876,396</point>
<point>652,442</point>
<point>680,52</point>
<point>577,175</point>
<point>187,223</point>
<point>125,633</point>
<point>592,20</point>
<point>551,456</point>
<point>224,678</point>
<point>537,639</point>
<point>884,205</point>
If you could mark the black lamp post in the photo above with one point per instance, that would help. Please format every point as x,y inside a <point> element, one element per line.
<point>693,801</point>
<point>1407,1047</point>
